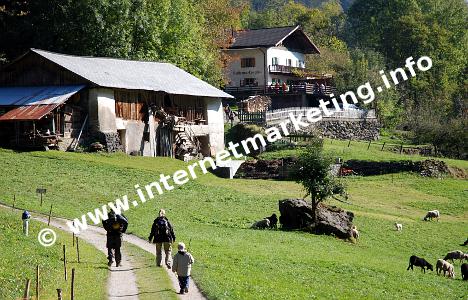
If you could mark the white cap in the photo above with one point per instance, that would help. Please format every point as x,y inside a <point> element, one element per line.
<point>181,246</point>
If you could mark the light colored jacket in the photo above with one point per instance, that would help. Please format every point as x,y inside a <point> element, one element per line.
<point>182,263</point>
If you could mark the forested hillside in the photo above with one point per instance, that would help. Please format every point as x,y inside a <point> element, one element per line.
<point>355,43</point>
<point>262,4</point>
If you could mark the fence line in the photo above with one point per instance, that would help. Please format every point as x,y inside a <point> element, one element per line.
<point>277,115</point>
<point>283,113</point>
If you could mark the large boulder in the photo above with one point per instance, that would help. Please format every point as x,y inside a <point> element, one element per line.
<point>331,220</point>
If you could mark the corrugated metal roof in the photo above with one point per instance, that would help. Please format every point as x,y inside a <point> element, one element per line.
<point>28,112</point>
<point>134,75</point>
<point>37,95</point>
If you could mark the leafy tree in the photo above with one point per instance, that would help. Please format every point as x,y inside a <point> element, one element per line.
<point>159,30</point>
<point>404,28</point>
<point>313,172</point>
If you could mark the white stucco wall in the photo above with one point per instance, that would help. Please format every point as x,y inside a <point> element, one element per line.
<point>215,123</point>
<point>102,110</point>
<point>236,73</point>
<point>134,141</point>
<point>283,55</point>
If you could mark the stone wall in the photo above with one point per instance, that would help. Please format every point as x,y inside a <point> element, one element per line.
<point>110,140</point>
<point>346,129</point>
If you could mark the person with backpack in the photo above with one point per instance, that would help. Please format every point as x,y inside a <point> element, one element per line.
<point>115,226</point>
<point>162,234</point>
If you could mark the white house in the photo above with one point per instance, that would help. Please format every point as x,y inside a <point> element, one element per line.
<point>265,56</point>
<point>272,61</point>
<point>140,107</point>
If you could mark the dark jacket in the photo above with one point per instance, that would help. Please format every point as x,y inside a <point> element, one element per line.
<point>158,235</point>
<point>115,225</point>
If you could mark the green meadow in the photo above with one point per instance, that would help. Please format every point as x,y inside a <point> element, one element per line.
<point>21,254</point>
<point>213,215</point>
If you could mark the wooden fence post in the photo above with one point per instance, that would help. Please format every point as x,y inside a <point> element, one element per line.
<point>59,294</point>
<point>401,148</point>
<point>50,213</point>
<point>64,262</point>
<point>72,292</point>
<point>26,289</point>
<point>77,249</point>
<point>368,146</point>
<point>73,235</point>
<point>14,202</point>
<point>382,146</point>
<point>349,143</point>
<point>37,282</point>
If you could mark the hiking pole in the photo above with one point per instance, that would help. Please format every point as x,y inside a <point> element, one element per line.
<point>190,242</point>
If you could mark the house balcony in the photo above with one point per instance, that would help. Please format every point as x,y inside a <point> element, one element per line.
<point>297,72</point>
<point>289,89</point>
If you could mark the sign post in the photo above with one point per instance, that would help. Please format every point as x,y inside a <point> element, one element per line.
<point>41,192</point>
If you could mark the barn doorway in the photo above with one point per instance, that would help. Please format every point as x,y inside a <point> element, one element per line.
<point>123,139</point>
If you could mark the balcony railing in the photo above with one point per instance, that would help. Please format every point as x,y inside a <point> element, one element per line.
<point>304,88</point>
<point>301,72</point>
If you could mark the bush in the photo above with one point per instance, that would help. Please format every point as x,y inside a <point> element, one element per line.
<point>241,131</point>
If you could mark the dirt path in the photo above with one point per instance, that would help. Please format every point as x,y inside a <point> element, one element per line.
<point>193,294</point>
<point>96,236</point>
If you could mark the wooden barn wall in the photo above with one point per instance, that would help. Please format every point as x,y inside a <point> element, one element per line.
<point>33,70</point>
<point>132,105</point>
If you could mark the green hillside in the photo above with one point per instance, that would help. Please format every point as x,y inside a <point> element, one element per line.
<point>213,216</point>
<point>20,255</point>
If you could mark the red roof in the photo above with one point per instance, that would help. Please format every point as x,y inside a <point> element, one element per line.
<point>28,112</point>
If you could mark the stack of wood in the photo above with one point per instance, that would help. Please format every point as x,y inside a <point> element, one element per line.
<point>255,104</point>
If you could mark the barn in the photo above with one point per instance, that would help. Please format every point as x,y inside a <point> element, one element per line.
<point>52,100</point>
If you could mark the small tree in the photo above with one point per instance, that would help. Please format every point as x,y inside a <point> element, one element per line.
<point>313,172</point>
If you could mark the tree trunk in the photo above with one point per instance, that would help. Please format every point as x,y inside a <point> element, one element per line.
<point>314,210</point>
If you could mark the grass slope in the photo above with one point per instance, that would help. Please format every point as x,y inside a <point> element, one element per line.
<point>358,150</point>
<point>153,283</point>
<point>20,255</point>
<point>234,262</point>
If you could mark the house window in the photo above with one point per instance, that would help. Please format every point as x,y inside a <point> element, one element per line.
<point>274,61</point>
<point>249,81</point>
<point>289,62</point>
<point>248,62</point>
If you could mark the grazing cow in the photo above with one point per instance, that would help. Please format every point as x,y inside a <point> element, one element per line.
<point>465,243</point>
<point>457,254</point>
<point>446,267</point>
<point>273,221</point>
<point>432,214</point>
<point>464,271</point>
<point>419,262</point>
<point>262,224</point>
<point>399,227</point>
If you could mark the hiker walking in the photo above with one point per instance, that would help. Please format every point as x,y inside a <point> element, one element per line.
<point>162,234</point>
<point>115,225</point>
<point>183,261</point>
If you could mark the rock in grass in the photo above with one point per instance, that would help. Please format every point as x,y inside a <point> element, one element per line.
<point>331,220</point>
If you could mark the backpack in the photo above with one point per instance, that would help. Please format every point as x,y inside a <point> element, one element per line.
<point>163,227</point>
